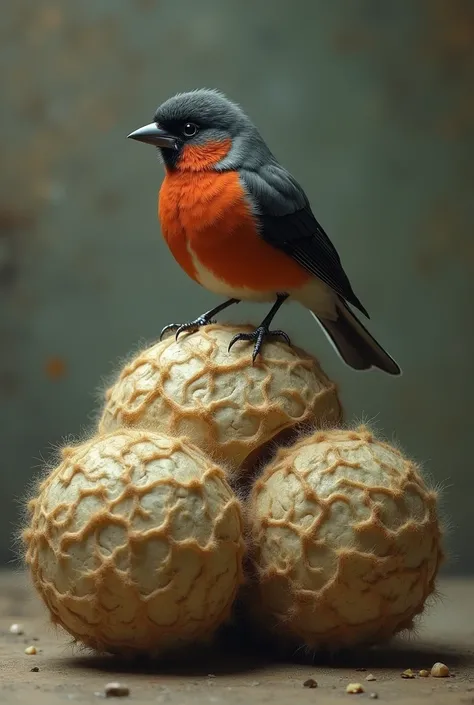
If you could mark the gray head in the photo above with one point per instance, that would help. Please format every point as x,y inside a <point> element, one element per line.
<point>208,121</point>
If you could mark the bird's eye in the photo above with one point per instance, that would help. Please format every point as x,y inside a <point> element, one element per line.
<point>190,129</point>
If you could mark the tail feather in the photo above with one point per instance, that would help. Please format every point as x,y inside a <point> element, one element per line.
<point>356,346</point>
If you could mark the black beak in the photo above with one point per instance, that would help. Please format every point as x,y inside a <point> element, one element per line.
<point>151,134</point>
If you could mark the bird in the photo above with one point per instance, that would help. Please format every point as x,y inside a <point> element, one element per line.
<point>241,226</point>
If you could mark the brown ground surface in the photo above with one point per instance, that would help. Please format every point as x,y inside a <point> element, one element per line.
<point>236,675</point>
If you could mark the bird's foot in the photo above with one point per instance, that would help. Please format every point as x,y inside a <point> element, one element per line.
<point>190,327</point>
<point>200,321</point>
<point>259,335</point>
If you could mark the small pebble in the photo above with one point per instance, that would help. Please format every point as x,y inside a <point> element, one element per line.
<point>370,677</point>
<point>35,669</point>
<point>16,629</point>
<point>361,670</point>
<point>310,683</point>
<point>116,690</point>
<point>30,650</point>
<point>408,673</point>
<point>374,696</point>
<point>439,670</point>
<point>423,673</point>
<point>354,688</point>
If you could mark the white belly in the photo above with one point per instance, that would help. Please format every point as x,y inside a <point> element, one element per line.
<point>315,295</point>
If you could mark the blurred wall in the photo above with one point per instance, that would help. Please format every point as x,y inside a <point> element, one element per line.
<point>370,104</point>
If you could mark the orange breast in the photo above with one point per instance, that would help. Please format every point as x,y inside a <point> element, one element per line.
<point>204,216</point>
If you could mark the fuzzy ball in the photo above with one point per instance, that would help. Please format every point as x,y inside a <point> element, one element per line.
<point>222,402</point>
<point>135,543</point>
<point>346,542</point>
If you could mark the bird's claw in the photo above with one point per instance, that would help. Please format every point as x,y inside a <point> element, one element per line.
<point>191,326</point>
<point>259,335</point>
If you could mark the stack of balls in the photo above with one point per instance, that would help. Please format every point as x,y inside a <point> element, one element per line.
<point>136,541</point>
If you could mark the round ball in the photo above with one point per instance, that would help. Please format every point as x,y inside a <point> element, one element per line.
<point>135,543</point>
<point>222,402</point>
<point>346,541</point>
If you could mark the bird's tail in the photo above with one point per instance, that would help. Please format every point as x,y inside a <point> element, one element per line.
<point>356,346</point>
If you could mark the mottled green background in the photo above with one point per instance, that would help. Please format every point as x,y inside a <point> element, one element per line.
<point>369,103</point>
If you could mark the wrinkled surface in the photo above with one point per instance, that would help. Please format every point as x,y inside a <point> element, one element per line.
<point>346,540</point>
<point>135,543</point>
<point>225,404</point>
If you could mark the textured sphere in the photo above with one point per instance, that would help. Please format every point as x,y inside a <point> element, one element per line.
<point>222,402</point>
<point>135,543</point>
<point>346,541</point>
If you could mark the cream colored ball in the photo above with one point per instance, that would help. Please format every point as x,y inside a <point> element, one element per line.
<point>222,402</point>
<point>346,541</point>
<point>135,543</point>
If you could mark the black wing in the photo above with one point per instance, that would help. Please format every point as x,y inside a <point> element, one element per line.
<point>287,222</point>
